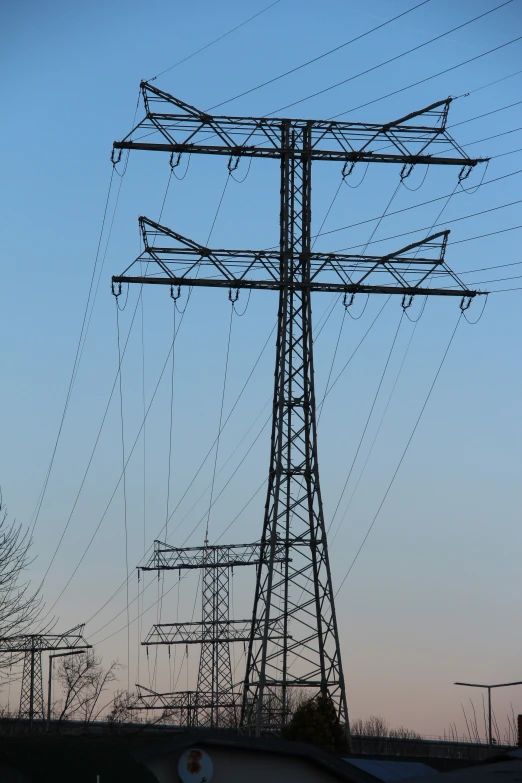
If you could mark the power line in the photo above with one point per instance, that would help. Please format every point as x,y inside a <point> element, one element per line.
<point>428,78</point>
<point>511,152</point>
<point>41,496</point>
<point>401,458</point>
<point>496,280</point>
<point>413,206</point>
<point>391,59</point>
<point>487,138</point>
<point>379,426</point>
<point>488,113</point>
<point>388,358</point>
<point>151,401</point>
<point>84,478</point>
<point>445,222</point>
<point>490,234</point>
<point>489,84</point>
<point>126,539</point>
<point>218,437</point>
<point>216,40</point>
<point>319,57</point>
<point>487,268</point>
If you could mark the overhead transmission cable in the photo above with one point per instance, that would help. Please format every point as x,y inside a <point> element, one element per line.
<point>430,229</point>
<point>446,222</point>
<point>376,435</point>
<point>391,59</point>
<point>319,57</point>
<point>86,319</point>
<point>401,460</point>
<point>215,41</point>
<point>413,206</point>
<point>218,437</point>
<point>84,478</point>
<point>142,424</point>
<point>368,418</point>
<point>43,490</point>
<point>126,540</point>
<point>429,78</point>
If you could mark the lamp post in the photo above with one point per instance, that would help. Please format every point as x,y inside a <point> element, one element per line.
<point>51,658</point>
<point>489,687</point>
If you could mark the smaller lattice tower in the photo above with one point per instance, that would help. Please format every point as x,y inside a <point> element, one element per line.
<point>32,646</point>
<point>217,701</point>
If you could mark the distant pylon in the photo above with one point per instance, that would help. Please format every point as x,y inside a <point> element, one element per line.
<point>33,645</point>
<point>31,697</point>
<point>216,702</point>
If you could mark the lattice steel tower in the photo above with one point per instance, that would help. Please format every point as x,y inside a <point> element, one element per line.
<point>308,655</point>
<point>32,646</point>
<point>217,701</point>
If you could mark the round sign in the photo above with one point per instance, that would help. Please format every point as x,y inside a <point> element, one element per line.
<point>195,766</point>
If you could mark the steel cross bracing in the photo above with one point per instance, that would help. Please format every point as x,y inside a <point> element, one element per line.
<point>308,655</point>
<point>216,630</point>
<point>32,646</point>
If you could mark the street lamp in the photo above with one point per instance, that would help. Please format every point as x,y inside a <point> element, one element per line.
<point>51,658</point>
<point>489,687</point>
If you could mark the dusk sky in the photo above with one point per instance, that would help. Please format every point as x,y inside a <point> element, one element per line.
<point>434,594</point>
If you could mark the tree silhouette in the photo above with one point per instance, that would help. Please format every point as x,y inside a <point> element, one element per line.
<point>315,721</point>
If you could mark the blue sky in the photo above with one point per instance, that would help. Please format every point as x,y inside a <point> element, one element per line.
<point>434,594</point>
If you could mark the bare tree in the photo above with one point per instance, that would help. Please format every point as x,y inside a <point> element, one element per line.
<point>122,711</point>
<point>374,726</point>
<point>379,728</point>
<point>83,680</point>
<point>402,732</point>
<point>19,605</point>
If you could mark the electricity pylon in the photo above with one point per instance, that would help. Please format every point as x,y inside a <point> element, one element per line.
<point>32,646</point>
<point>308,655</point>
<point>216,701</point>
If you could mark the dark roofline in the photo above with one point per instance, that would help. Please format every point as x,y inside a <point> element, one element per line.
<point>206,738</point>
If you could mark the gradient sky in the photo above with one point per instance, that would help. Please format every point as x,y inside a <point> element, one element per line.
<point>434,596</point>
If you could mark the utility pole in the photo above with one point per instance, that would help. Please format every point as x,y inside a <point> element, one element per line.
<point>488,687</point>
<point>32,646</point>
<point>216,701</point>
<point>308,655</point>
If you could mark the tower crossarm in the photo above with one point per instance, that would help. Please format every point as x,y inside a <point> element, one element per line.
<point>208,632</point>
<point>148,699</point>
<point>177,127</point>
<point>418,268</point>
<point>170,558</point>
<point>70,640</point>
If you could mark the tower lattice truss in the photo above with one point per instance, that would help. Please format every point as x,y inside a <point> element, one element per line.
<point>31,646</point>
<point>217,700</point>
<point>297,598</point>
